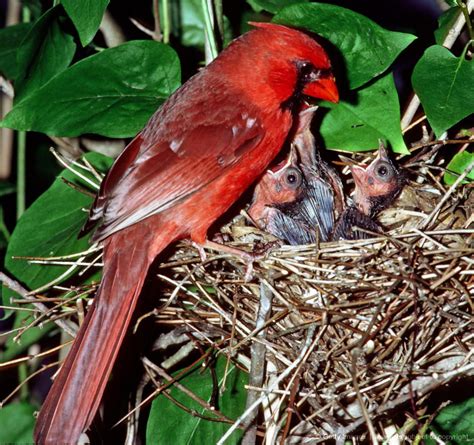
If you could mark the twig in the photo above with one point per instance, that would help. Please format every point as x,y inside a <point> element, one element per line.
<point>113,34</point>
<point>66,325</point>
<point>275,383</point>
<point>18,388</point>
<point>440,204</point>
<point>156,16</point>
<point>257,366</point>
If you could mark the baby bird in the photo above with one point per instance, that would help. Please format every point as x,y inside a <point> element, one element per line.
<point>276,202</point>
<point>376,188</point>
<point>299,200</point>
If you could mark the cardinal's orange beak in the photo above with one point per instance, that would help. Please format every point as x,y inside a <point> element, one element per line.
<point>324,88</point>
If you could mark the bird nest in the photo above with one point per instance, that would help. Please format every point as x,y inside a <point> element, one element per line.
<point>338,337</point>
<point>349,331</point>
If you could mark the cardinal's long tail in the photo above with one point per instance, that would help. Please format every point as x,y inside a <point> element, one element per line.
<point>77,390</point>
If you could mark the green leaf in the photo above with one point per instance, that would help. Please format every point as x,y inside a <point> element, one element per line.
<point>45,51</point>
<point>367,49</point>
<point>459,163</point>
<point>10,40</point>
<point>445,23</point>
<point>272,6</point>
<point>358,126</point>
<point>17,422</point>
<point>443,83</point>
<point>452,2</point>
<point>170,424</point>
<point>112,93</point>
<point>49,227</point>
<point>86,16</point>
<point>457,422</point>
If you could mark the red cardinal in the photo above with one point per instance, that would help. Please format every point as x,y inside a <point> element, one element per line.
<point>198,153</point>
<point>376,188</point>
<point>299,201</point>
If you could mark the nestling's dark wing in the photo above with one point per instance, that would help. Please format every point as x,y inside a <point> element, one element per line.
<point>349,221</point>
<point>291,230</point>
<point>317,207</point>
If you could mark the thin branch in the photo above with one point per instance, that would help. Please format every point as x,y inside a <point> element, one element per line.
<point>66,325</point>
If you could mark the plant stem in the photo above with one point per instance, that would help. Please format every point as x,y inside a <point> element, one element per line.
<point>20,174</point>
<point>156,16</point>
<point>210,37</point>
<point>220,21</point>
<point>21,152</point>
<point>465,11</point>
<point>26,14</point>
<point>166,21</point>
<point>22,377</point>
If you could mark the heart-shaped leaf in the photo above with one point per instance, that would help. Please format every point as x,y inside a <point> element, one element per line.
<point>169,423</point>
<point>444,83</point>
<point>367,48</point>
<point>112,93</point>
<point>359,126</point>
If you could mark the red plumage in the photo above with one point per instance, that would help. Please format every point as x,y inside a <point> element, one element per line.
<point>199,152</point>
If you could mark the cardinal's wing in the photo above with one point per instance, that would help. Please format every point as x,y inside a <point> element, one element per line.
<point>173,158</point>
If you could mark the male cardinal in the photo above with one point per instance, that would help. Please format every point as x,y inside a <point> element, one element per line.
<point>299,200</point>
<point>198,153</point>
<point>376,188</point>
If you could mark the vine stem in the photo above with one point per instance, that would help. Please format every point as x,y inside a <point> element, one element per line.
<point>20,174</point>
<point>220,21</point>
<point>21,152</point>
<point>210,36</point>
<point>465,10</point>
<point>166,21</point>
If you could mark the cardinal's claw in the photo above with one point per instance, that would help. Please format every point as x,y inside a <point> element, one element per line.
<point>201,251</point>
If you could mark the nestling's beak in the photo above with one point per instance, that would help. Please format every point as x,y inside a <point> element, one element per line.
<point>360,176</point>
<point>324,88</point>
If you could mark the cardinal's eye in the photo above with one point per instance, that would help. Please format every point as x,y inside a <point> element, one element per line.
<point>307,72</point>
<point>384,171</point>
<point>293,178</point>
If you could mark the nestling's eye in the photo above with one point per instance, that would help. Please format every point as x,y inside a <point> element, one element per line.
<point>384,171</point>
<point>293,178</point>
